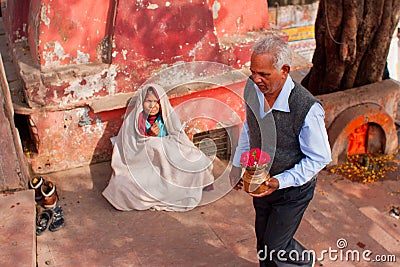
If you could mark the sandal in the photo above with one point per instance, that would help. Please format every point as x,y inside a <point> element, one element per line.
<point>50,195</point>
<point>58,221</point>
<point>43,221</point>
<point>35,183</point>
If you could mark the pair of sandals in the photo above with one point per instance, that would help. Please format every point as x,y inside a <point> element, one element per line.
<point>49,214</point>
<point>51,219</point>
<point>45,192</point>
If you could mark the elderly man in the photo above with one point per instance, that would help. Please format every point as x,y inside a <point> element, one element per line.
<point>280,111</point>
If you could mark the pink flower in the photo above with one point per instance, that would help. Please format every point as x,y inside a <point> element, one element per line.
<point>253,158</point>
<point>264,158</point>
<point>251,161</point>
<point>244,158</point>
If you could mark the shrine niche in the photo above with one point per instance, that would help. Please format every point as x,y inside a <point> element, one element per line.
<point>367,138</point>
<point>361,120</point>
<point>357,140</point>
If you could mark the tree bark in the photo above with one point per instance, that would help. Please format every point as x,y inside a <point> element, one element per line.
<point>352,43</point>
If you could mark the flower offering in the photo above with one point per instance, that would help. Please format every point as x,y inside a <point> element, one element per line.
<point>255,161</point>
<point>255,158</point>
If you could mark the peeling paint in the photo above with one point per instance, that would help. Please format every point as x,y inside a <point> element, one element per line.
<point>198,46</point>
<point>124,52</point>
<point>140,4</point>
<point>21,39</point>
<point>93,84</point>
<point>52,58</point>
<point>43,15</point>
<point>163,28</point>
<point>81,58</point>
<point>86,122</point>
<point>103,50</point>
<point>216,7</point>
<point>84,118</point>
<point>239,20</point>
<point>54,52</point>
<point>99,125</point>
<point>152,6</point>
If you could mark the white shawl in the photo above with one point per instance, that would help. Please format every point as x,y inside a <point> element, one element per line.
<point>161,173</point>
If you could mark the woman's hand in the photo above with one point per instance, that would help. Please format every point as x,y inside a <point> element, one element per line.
<point>235,178</point>
<point>154,130</point>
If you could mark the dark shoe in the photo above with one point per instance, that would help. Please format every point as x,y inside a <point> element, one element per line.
<point>43,221</point>
<point>50,196</point>
<point>58,220</point>
<point>35,183</point>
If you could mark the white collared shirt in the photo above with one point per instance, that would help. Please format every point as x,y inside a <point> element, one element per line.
<point>313,140</point>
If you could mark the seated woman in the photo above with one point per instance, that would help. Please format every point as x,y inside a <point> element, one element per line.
<point>155,165</point>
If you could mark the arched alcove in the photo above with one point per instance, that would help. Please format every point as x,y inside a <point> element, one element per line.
<point>346,123</point>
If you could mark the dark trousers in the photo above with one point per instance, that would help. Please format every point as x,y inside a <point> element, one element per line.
<point>277,218</point>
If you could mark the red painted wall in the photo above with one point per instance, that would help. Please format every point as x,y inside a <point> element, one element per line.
<point>15,20</point>
<point>67,32</point>
<point>149,36</point>
<point>238,17</point>
<point>90,49</point>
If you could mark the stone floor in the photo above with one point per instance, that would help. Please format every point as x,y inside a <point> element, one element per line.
<point>219,233</point>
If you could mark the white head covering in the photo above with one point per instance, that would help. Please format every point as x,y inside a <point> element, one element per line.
<point>163,173</point>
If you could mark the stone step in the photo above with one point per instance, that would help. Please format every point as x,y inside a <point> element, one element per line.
<point>12,171</point>
<point>362,228</point>
<point>17,229</point>
<point>383,229</point>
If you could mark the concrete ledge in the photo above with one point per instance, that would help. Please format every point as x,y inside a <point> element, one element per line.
<point>385,93</point>
<point>17,229</point>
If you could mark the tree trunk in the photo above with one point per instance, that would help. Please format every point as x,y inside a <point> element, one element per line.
<point>352,43</point>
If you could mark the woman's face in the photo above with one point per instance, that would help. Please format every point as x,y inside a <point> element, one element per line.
<point>150,104</point>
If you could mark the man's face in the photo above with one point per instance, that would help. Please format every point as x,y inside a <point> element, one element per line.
<point>150,105</point>
<point>269,80</point>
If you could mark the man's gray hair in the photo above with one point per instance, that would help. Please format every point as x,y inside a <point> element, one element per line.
<point>276,46</point>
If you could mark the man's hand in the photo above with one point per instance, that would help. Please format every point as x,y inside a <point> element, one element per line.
<point>154,130</point>
<point>235,178</point>
<point>272,183</point>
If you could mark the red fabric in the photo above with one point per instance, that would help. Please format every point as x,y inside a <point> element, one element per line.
<point>142,122</point>
<point>152,118</point>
